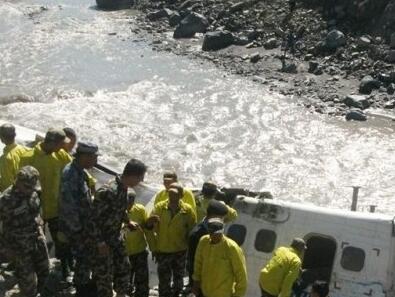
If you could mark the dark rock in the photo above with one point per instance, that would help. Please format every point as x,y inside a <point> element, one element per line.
<point>356,115</point>
<point>392,76</point>
<point>289,68</point>
<point>335,39</point>
<point>163,13</point>
<point>114,4</point>
<point>357,101</point>
<point>390,105</point>
<point>254,58</point>
<point>187,3</point>
<point>368,84</point>
<point>174,19</point>
<point>237,6</point>
<point>385,78</point>
<point>193,23</point>
<point>313,66</point>
<point>391,89</point>
<point>308,57</point>
<point>391,56</point>
<point>392,42</point>
<point>241,41</point>
<point>364,42</point>
<point>217,40</point>
<point>271,43</point>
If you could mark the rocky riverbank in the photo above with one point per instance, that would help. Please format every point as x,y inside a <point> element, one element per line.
<point>336,58</point>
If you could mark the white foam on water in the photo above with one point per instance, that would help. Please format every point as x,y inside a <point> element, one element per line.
<point>232,132</point>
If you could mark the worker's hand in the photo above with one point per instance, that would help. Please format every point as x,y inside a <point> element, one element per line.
<point>133,226</point>
<point>152,220</point>
<point>103,249</point>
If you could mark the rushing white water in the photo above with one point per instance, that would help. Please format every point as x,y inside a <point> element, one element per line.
<point>171,112</point>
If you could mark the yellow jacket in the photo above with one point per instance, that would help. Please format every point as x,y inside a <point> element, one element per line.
<point>171,234</point>
<point>220,268</point>
<point>136,241</point>
<point>188,197</point>
<point>50,167</point>
<point>9,164</point>
<point>201,210</point>
<point>278,276</point>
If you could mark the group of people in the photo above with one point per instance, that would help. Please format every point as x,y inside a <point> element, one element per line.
<point>104,235</point>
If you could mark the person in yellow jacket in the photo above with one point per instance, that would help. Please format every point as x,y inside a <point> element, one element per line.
<point>278,276</point>
<point>9,161</point>
<point>220,266</point>
<point>172,220</point>
<point>49,159</point>
<point>169,178</point>
<point>208,193</point>
<point>136,247</point>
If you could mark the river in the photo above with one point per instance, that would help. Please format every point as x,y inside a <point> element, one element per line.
<point>80,67</point>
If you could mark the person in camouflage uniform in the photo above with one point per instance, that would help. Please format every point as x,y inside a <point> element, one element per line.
<point>22,230</point>
<point>75,208</point>
<point>109,215</point>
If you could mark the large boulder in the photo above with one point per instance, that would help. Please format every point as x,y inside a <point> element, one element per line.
<point>114,4</point>
<point>356,115</point>
<point>217,40</point>
<point>193,23</point>
<point>335,39</point>
<point>174,19</point>
<point>368,84</point>
<point>156,15</point>
<point>357,101</point>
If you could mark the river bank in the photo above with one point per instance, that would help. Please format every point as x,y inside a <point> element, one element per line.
<point>335,69</point>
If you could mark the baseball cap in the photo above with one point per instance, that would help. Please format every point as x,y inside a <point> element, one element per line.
<point>56,136</point>
<point>170,175</point>
<point>216,207</point>
<point>87,148</point>
<point>215,225</point>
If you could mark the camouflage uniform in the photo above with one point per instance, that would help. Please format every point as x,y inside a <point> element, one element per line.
<point>108,215</point>
<point>22,231</point>
<point>168,264</point>
<point>139,273</point>
<point>74,212</point>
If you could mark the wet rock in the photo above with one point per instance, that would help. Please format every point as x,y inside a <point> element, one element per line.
<point>174,19</point>
<point>254,58</point>
<point>156,15</point>
<point>190,25</point>
<point>368,84</point>
<point>356,115</point>
<point>357,101</point>
<point>289,68</point>
<point>271,43</point>
<point>217,40</point>
<point>335,39</point>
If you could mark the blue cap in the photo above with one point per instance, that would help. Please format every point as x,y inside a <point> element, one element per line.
<point>87,148</point>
